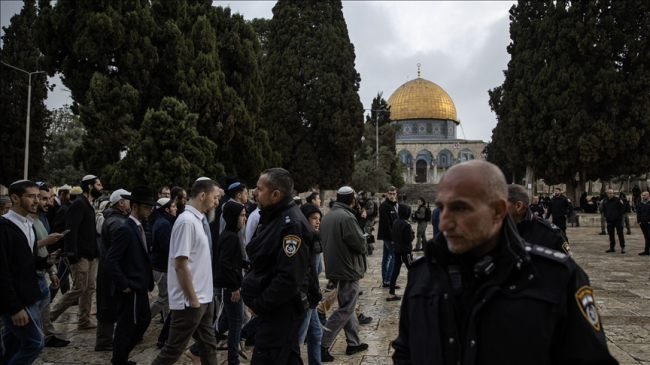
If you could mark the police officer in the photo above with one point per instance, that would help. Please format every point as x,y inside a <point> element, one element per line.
<point>534,229</point>
<point>483,295</point>
<point>277,285</point>
<point>559,209</point>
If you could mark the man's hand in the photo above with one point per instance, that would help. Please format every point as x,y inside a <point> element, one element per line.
<point>251,312</point>
<point>194,303</point>
<point>235,296</point>
<point>20,319</point>
<point>363,213</point>
<point>536,213</point>
<point>55,281</point>
<point>49,239</point>
<point>51,260</point>
<point>126,291</point>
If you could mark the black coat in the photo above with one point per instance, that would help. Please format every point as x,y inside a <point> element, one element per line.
<point>60,219</point>
<point>558,207</point>
<point>128,261</point>
<point>538,231</point>
<point>51,213</point>
<point>280,261</point>
<point>535,307</point>
<point>643,212</point>
<point>161,233</point>
<point>387,216</point>
<point>402,236</point>
<point>18,264</point>
<point>613,209</point>
<point>227,259</point>
<point>82,239</point>
<point>106,303</point>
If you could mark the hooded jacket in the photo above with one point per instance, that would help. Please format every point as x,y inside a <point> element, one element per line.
<point>314,294</point>
<point>535,306</point>
<point>538,231</point>
<point>308,209</point>
<point>161,236</point>
<point>344,246</point>
<point>227,259</point>
<point>402,232</point>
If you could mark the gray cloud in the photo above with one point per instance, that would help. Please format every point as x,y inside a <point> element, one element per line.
<point>461,46</point>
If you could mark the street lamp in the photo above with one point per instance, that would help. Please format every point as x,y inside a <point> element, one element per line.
<point>381,109</point>
<point>29,104</point>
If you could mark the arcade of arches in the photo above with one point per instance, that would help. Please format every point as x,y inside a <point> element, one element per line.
<point>432,160</point>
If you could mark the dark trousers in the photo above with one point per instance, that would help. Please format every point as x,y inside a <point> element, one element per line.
<point>186,323</point>
<point>645,228</point>
<point>164,332</point>
<point>133,318</point>
<point>399,259</point>
<point>277,342</point>
<point>618,225</point>
<point>560,222</point>
<point>63,273</point>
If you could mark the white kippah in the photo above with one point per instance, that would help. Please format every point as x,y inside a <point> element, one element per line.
<point>345,190</point>
<point>163,201</point>
<point>202,178</point>
<point>18,182</point>
<point>89,177</point>
<point>66,187</point>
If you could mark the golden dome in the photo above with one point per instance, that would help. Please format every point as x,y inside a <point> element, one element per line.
<point>421,99</point>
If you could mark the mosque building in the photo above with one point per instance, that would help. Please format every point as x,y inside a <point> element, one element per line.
<point>427,141</point>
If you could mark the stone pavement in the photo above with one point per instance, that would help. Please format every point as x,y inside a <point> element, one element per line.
<point>621,283</point>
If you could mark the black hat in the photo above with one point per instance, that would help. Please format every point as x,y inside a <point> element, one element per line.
<point>141,194</point>
<point>309,208</point>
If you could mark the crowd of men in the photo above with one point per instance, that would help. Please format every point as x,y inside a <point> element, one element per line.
<point>496,284</point>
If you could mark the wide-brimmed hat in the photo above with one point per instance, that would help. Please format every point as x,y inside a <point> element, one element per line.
<point>141,194</point>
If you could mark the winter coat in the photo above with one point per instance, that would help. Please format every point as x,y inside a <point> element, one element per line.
<point>227,259</point>
<point>387,215</point>
<point>344,246</point>
<point>161,236</point>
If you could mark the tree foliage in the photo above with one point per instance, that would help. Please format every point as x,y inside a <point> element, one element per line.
<point>166,150</point>
<point>311,106</point>
<point>65,135</point>
<point>19,50</point>
<point>121,58</point>
<point>576,95</point>
<point>392,166</point>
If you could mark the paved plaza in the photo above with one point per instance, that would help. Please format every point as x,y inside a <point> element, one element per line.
<point>621,282</point>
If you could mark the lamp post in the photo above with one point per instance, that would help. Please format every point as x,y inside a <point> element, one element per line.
<point>381,109</point>
<point>29,104</point>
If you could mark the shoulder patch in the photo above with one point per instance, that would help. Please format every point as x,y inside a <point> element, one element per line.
<point>587,304</point>
<point>291,244</point>
<point>547,253</point>
<point>567,249</point>
<point>548,224</point>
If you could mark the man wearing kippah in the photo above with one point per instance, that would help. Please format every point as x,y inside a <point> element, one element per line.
<point>344,250</point>
<point>81,241</point>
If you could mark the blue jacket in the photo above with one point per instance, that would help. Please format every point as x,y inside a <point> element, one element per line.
<point>128,260</point>
<point>161,236</point>
<point>643,212</point>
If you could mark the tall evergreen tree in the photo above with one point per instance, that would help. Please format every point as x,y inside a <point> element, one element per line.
<point>311,106</point>
<point>65,136</point>
<point>166,150</point>
<point>576,99</point>
<point>19,50</point>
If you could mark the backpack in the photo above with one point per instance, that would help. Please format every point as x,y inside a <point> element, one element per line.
<point>427,214</point>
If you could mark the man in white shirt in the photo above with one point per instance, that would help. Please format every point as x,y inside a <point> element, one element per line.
<point>189,281</point>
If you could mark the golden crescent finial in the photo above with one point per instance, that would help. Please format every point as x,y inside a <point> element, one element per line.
<point>419,70</point>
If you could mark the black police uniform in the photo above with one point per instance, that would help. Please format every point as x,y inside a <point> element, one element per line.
<point>533,306</point>
<point>538,231</point>
<point>537,208</point>
<point>276,287</point>
<point>559,209</point>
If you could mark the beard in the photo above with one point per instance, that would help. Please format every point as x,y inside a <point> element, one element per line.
<point>95,193</point>
<point>180,209</point>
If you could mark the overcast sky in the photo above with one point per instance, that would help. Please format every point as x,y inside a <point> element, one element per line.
<point>461,46</point>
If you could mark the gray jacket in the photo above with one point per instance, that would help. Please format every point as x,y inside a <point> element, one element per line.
<point>344,247</point>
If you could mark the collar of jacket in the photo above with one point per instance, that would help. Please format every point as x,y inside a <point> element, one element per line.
<point>390,202</point>
<point>527,221</point>
<point>113,211</point>
<point>269,214</point>
<point>344,206</point>
<point>512,253</point>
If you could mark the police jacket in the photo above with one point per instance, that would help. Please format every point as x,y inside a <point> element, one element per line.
<point>82,239</point>
<point>643,212</point>
<point>613,209</point>
<point>538,231</point>
<point>558,207</point>
<point>535,307</point>
<point>344,247</point>
<point>387,215</point>
<point>280,262</point>
<point>537,208</point>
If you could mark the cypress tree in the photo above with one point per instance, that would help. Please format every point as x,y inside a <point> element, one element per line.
<point>19,50</point>
<point>577,91</point>
<point>311,106</point>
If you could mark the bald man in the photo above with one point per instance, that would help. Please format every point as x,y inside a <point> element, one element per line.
<point>533,228</point>
<point>481,294</point>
